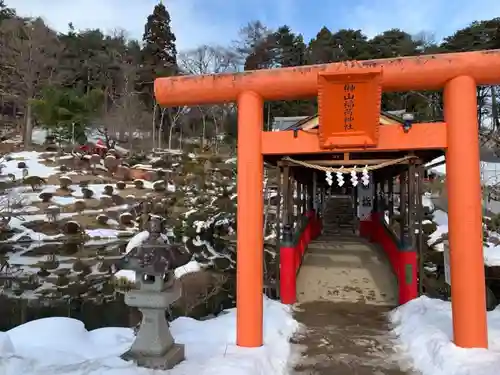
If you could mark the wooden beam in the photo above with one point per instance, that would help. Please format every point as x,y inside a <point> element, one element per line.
<point>391,138</point>
<point>426,72</point>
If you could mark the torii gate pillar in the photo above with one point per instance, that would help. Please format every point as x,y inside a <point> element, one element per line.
<point>250,222</point>
<point>468,295</point>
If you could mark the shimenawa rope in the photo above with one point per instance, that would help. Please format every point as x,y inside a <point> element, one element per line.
<point>349,170</point>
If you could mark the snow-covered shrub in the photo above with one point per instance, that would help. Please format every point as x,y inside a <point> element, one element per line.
<point>46,196</point>
<point>34,181</point>
<point>139,184</point>
<point>159,186</point>
<point>102,219</point>
<point>65,182</point>
<point>106,201</point>
<point>126,218</point>
<point>79,205</point>
<point>118,199</point>
<point>87,193</point>
<point>108,190</point>
<point>72,227</point>
<point>111,163</point>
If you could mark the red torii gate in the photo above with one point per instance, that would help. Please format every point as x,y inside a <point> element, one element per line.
<point>458,74</point>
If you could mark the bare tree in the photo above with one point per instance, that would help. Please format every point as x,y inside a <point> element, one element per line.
<point>175,115</point>
<point>127,117</point>
<point>11,205</point>
<point>488,117</point>
<point>209,60</point>
<point>29,53</point>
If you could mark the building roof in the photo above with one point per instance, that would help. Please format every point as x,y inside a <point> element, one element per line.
<point>283,123</point>
<point>312,122</point>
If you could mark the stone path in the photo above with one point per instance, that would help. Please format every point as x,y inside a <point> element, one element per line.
<point>345,288</point>
<point>345,339</point>
<point>346,268</point>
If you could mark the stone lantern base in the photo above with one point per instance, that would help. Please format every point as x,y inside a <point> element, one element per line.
<point>154,346</point>
<point>174,355</point>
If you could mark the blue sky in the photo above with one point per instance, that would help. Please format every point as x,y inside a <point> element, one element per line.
<point>198,22</point>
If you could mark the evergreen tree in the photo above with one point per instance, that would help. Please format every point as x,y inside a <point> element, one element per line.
<point>350,45</point>
<point>479,35</point>
<point>321,49</point>
<point>6,12</point>
<point>289,50</point>
<point>159,56</point>
<point>159,52</point>
<point>67,112</point>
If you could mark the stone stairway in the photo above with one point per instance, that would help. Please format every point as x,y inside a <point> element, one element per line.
<point>339,216</point>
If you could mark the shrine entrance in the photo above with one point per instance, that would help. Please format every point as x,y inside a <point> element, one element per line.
<point>349,96</point>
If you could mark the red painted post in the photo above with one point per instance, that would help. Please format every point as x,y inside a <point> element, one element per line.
<point>407,279</point>
<point>288,271</point>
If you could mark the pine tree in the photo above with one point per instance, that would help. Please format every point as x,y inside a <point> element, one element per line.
<point>159,52</point>
<point>321,48</point>
<point>6,12</point>
<point>290,50</point>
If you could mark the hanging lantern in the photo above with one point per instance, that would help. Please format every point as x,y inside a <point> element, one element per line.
<point>354,177</point>
<point>365,177</point>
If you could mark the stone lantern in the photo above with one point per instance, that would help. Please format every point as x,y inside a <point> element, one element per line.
<point>155,290</point>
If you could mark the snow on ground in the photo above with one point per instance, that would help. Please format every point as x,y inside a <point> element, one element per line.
<point>424,330</point>
<point>26,233</point>
<point>31,158</point>
<point>17,223</point>
<point>440,218</point>
<point>33,349</point>
<point>492,252</point>
<point>106,233</point>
